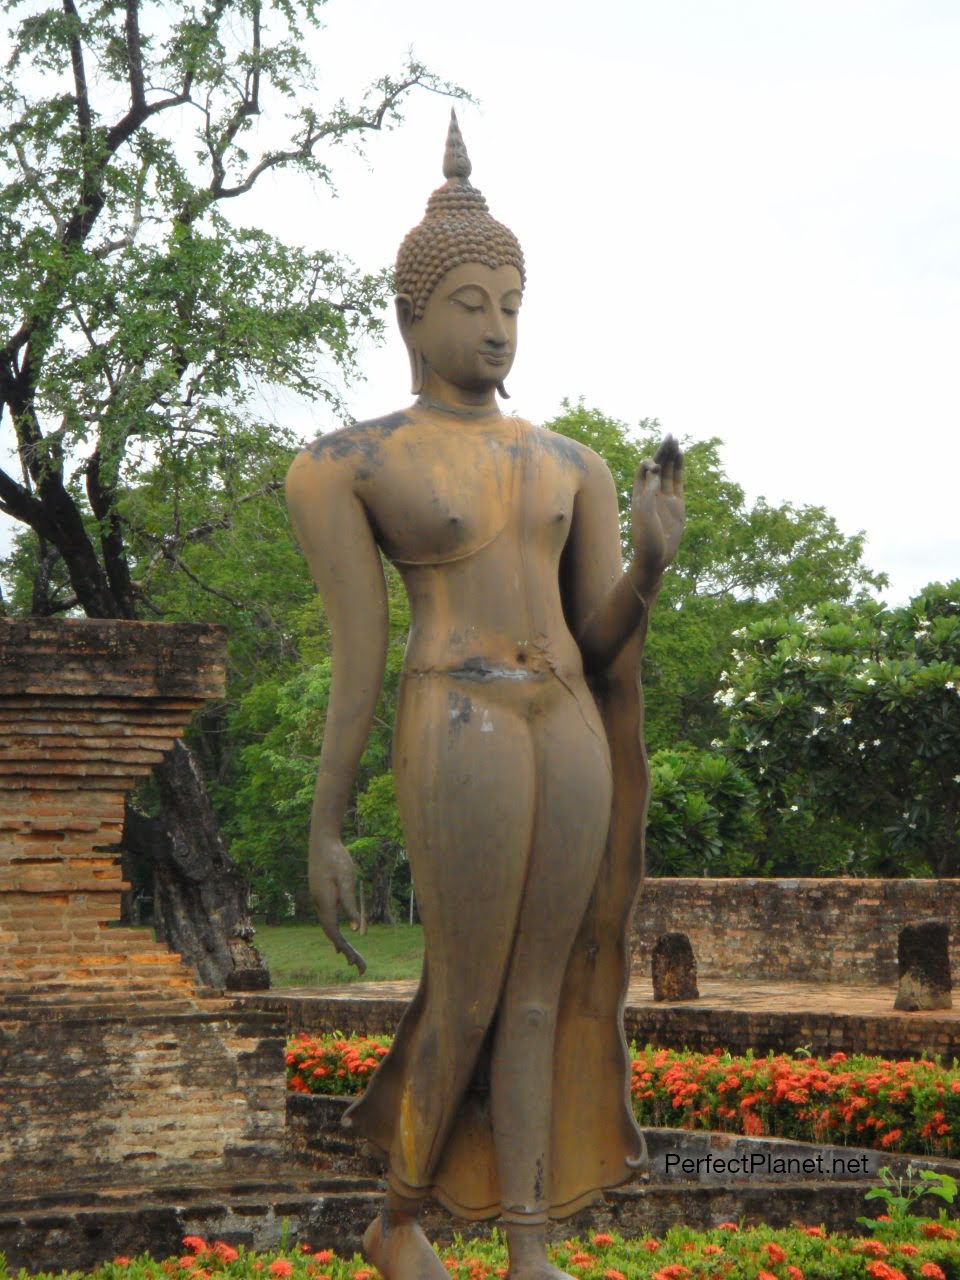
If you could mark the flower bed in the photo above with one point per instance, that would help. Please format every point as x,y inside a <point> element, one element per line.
<point>920,1250</point>
<point>908,1106</point>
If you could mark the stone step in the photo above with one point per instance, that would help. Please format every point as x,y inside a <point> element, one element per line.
<point>52,1233</point>
<point>84,1230</point>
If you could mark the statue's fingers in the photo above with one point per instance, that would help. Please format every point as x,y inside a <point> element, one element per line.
<point>670,458</point>
<point>351,955</point>
<point>347,895</point>
<point>647,479</point>
<point>326,904</point>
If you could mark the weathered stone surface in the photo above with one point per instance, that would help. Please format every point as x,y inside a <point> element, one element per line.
<point>116,1066</point>
<point>701,1026</point>
<point>51,1233</point>
<point>95,1096</point>
<point>86,708</point>
<point>832,930</point>
<point>923,956</point>
<point>674,968</point>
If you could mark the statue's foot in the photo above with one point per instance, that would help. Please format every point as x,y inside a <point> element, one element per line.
<point>402,1252</point>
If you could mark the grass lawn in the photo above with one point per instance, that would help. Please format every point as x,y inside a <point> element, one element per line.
<point>301,955</point>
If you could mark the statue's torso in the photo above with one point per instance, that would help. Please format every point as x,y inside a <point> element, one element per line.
<point>475,515</point>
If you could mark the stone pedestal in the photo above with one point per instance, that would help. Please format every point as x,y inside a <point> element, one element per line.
<point>86,709</point>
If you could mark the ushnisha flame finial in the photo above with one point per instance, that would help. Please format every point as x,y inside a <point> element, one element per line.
<point>456,228</point>
<point>456,162</point>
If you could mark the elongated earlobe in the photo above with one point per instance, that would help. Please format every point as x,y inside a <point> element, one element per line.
<point>502,390</point>
<point>403,304</point>
<point>416,370</point>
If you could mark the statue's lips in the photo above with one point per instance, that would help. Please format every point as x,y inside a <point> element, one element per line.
<point>496,357</point>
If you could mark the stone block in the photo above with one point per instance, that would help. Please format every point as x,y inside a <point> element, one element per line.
<point>923,955</point>
<point>674,968</point>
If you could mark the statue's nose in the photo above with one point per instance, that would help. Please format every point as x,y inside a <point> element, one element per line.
<point>496,331</point>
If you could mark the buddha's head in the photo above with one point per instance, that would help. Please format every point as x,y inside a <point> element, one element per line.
<point>459,278</point>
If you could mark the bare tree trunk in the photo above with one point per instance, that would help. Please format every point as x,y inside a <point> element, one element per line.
<point>381,900</point>
<point>200,897</point>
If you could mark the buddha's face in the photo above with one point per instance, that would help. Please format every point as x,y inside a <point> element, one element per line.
<point>467,335</point>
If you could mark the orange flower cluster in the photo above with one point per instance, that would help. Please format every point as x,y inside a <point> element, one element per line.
<point>332,1064</point>
<point>872,1102</point>
<point>901,1106</point>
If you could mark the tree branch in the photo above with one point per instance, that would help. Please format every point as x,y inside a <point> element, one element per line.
<point>313,135</point>
<point>19,503</point>
<point>134,54</point>
<point>204,586</point>
<point>80,84</point>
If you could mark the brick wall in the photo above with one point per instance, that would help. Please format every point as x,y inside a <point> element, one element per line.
<point>116,1069</point>
<point>86,709</point>
<point>134,1090</point>
<point>837,930</point>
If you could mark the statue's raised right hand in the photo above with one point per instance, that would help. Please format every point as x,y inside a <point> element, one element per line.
<point>332,879</point>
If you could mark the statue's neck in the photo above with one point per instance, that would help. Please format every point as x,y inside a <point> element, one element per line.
<point>456,409</point>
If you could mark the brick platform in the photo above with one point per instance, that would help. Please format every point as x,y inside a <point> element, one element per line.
<point>116,1066</point>
<point>733,1014</point>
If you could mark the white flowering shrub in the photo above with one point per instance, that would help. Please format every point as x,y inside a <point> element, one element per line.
<point>847,719</point>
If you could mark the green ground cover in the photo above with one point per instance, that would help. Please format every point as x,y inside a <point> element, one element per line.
<point>913,1249</point>
<point>301,955</point>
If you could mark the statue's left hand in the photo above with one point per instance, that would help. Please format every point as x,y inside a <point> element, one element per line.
<point>657,514</point>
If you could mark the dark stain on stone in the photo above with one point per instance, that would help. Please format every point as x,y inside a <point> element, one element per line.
<point>461,708</point>
<point>364,438</point>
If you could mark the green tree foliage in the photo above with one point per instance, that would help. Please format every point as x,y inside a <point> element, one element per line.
<point>138,321</point>
<point>703,815</point>
<point>737,561</point>
<point>266,788</point>
<point>848,721</point>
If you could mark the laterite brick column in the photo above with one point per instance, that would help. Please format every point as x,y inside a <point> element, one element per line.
<point>86,709</point>
<point>117,1069</point>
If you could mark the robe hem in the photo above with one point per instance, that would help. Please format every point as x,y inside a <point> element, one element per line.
<point>483,1213</point>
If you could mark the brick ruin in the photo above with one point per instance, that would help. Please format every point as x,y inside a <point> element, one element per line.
<point>841,930</point>
<point>116,1064</point>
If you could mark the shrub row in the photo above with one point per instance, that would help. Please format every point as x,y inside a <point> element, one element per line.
<point>907,1106</point>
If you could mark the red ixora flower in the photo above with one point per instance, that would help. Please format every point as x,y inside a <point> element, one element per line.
<point>196,1244</point>
<point>933,1271</point>
<point>774,1252</point>
<point>883,1271</point>
<point>601,1238</point>
<point>281,1267</point>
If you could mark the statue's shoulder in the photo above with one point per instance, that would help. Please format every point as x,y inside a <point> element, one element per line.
<point>569,451</point>
<point>360,442</point>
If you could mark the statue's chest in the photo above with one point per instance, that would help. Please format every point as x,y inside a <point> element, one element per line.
<point>434,503</point>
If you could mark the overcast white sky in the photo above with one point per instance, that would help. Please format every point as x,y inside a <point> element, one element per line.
<point>739,216</point>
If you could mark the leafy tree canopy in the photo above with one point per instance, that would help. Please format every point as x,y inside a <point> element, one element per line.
<point>851,714</point>
<point>138,321</point>
<point>736,561</point>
